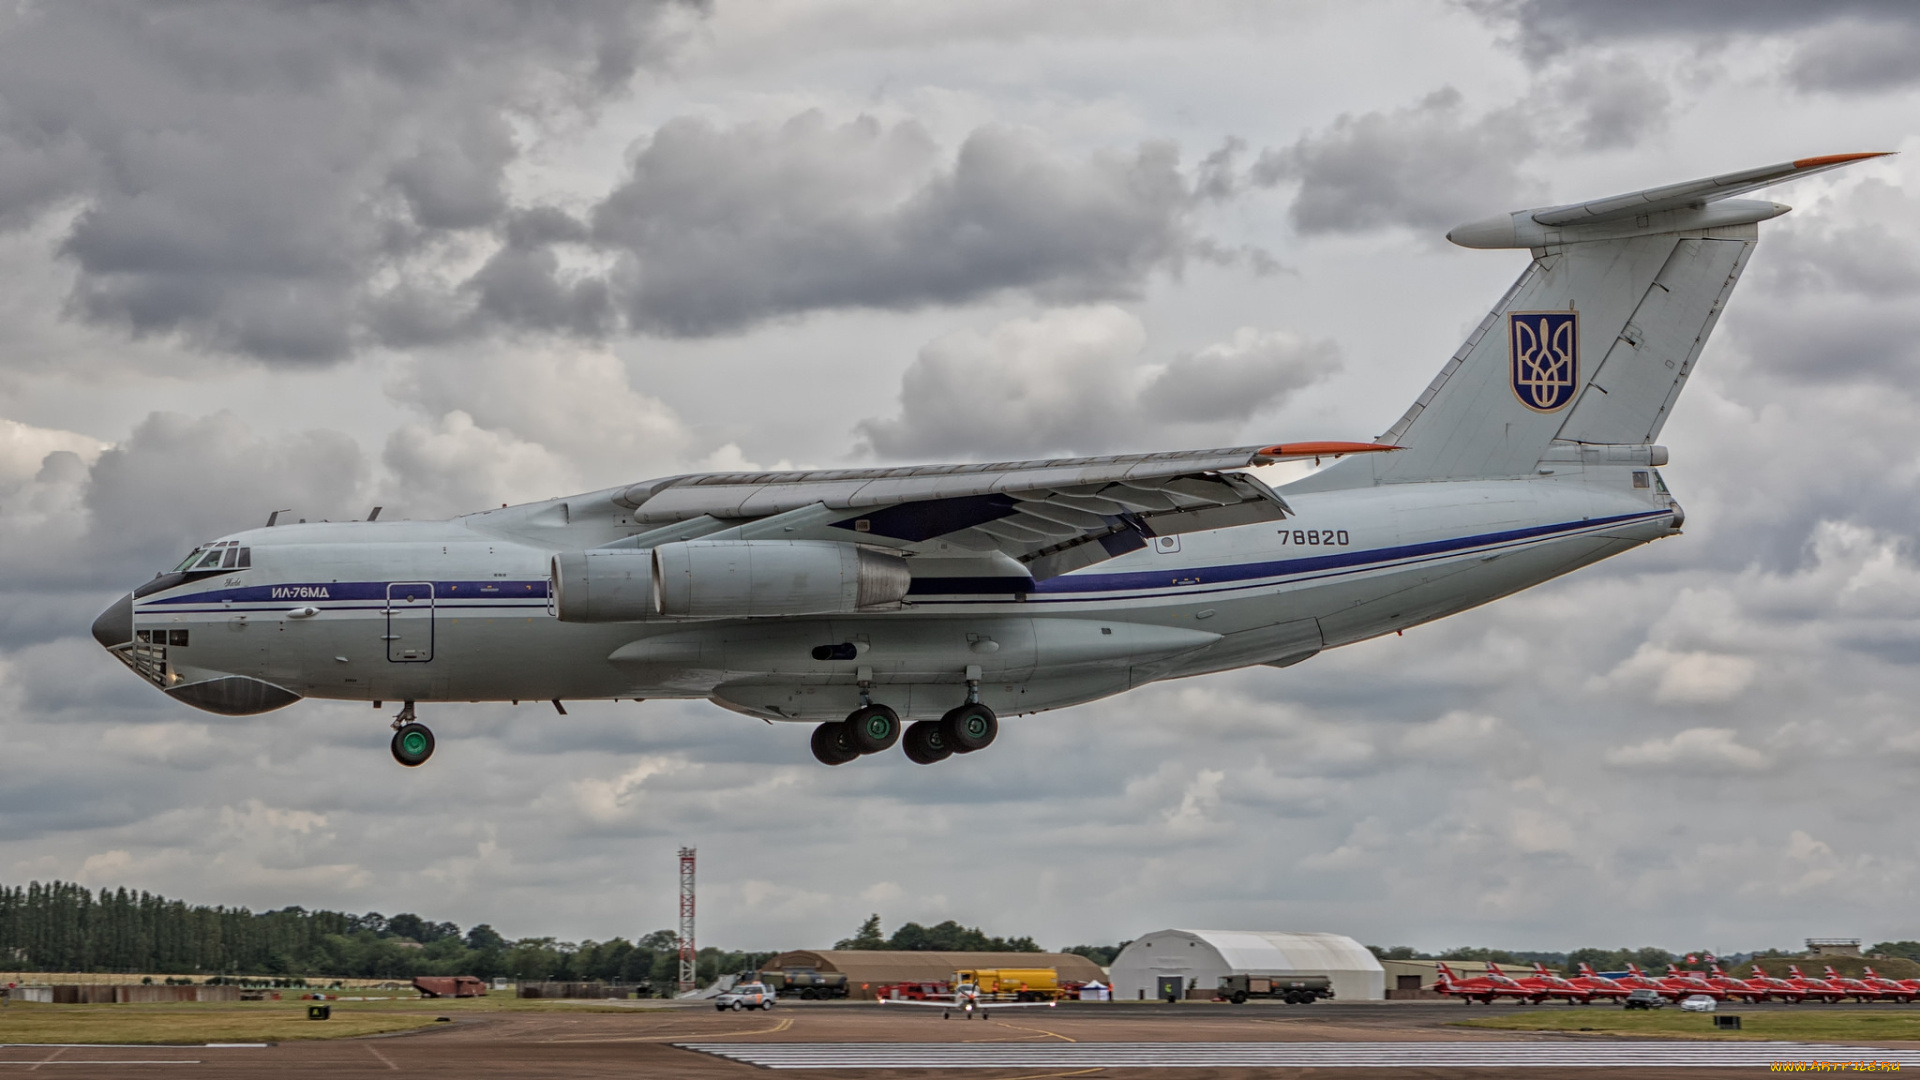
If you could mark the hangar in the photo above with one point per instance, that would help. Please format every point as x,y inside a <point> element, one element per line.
<point>1194,960</point>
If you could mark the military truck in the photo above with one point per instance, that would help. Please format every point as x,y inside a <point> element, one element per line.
<point>1292,989</point>
<point>806,983</point>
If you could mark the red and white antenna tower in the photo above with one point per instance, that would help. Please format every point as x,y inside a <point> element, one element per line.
<point>686,921</point>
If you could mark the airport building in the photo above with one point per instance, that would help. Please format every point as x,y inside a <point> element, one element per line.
<point>1192,962</point>
<point>868,968</point>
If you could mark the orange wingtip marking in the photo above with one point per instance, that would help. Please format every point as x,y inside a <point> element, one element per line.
<point>1835,159</point>
<point>1321,449</point>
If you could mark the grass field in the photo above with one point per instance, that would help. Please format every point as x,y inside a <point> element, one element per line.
<point>250,1021</point>
<point>1810,1026</point>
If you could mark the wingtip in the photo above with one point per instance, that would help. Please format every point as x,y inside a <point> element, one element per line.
<point>1839,159</point>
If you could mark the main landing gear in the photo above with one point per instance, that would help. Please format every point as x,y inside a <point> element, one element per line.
<point>873,728</point>
<point>412,742</point>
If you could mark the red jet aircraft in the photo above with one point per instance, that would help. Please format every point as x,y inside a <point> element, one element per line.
<point>1909,987</point>
<point>1819,988</point>
<point>1634,980</point>
<point>1544,984</point>
<point>1790,993</point>
<point>1861,991</point>
<point>1586,989</point>
<point>1597,984</point>
<point>1690,983</point>
<point>1739,988</point>
<point>1483,988</point>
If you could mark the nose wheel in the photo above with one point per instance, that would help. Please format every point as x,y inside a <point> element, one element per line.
<point>412,742</point>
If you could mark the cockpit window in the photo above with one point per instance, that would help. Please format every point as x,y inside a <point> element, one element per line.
<point>224,555</point>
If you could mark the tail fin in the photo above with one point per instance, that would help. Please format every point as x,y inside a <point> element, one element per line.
<point>1446,973</point>
<point>1583,358</point>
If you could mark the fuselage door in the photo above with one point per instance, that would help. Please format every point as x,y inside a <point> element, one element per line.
<point>409,622</point>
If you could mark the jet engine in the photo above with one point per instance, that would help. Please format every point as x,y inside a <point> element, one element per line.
<point>726,579</point>
<point>735,578</point>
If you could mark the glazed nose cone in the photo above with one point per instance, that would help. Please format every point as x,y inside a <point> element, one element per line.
<point>115,625</point>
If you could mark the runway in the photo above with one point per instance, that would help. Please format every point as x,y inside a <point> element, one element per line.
<point>1349,1041</point>
<point>1665,1054</point>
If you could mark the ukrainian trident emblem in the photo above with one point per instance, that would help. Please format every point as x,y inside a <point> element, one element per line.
<point>1545,353</point>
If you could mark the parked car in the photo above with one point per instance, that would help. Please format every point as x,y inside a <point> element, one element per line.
<point>1697,1003</point>
<point>746,996</point>
<point>1644,998</point>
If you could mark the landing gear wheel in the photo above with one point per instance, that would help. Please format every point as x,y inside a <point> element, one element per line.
<point>412,745</point>
<point>926,742</point>
<point>970,727</point>
<point>833,744</point>
<point>873,728</point>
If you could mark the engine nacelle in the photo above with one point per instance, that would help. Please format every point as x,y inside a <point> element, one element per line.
<point>737,578</point>
<point>602,586</point>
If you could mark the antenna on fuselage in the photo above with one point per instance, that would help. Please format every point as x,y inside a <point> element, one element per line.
<point>375,516</point>
<point>275,516</point>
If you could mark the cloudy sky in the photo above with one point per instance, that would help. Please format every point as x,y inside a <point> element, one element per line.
<point>442,256</point>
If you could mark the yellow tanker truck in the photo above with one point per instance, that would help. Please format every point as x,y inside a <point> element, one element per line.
<point>1021,984</point>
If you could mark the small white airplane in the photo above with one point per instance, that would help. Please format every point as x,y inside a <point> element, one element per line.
<point>966,999</point>
<point>858,599</point>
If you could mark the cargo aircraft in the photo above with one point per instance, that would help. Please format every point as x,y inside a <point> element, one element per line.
<point>942,596</point>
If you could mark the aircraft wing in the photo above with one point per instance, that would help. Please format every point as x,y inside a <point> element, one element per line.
<point>1050,516</point>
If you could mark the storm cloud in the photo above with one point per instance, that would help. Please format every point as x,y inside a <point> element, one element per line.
<point>439,257</point>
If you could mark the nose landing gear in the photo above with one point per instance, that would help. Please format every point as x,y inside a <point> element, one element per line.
<point>412,742</point>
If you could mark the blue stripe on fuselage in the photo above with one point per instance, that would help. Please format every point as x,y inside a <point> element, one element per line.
<point>1187,577</point>
<point>285,592</point>
<point>357,594</point>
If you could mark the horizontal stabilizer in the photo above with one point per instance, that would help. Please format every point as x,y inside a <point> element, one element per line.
<point>1579,364</point>
<point>1687,206</point>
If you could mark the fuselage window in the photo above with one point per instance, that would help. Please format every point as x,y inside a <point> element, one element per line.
<point>176,637</point>
<point>246,559</point>
<point>232,556</point>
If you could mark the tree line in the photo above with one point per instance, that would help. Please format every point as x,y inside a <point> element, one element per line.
<point>948,936</point>
<point>61,926</point>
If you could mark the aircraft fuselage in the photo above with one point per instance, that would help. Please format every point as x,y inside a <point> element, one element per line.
<point>461,610</point>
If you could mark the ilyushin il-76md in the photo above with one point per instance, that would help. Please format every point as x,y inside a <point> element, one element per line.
<point>916,605</point>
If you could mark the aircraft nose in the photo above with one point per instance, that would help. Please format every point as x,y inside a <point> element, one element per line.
<point>115,625</point>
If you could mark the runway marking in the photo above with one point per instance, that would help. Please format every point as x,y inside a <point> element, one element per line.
<point>1043,1033</point>
<point>80,1061</point>
<point>781,1026</point>
<point>1048,1076</point>
<point>1296,1055</point>
<point>383,1058</point>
